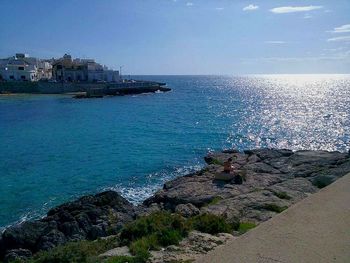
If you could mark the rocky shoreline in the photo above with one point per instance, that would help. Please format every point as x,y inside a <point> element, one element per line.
<point>274,180</point>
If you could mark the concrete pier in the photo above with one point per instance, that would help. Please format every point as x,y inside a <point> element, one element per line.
<point>316,229</point>
<point>106,88</point>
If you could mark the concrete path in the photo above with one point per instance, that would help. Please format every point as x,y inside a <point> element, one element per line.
<point>317,229</point>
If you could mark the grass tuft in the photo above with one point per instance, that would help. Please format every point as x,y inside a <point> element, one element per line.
<point>245,227</point>
<point>80,251</point>
<point>275,208</point>
<point>216,161</point>
<point>209,223</point>
<point>215,200</point>
<point>282,195</point>
<point>159,229</point>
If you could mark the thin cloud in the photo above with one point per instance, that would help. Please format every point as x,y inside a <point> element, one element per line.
<point>251,7</point>
<point>219,8</point>
<point>189,4</point>
<point>336,57</point>
<point>275,42</point>
<point>342,29</point>
<point>339,39</point>
<point>294,9</point>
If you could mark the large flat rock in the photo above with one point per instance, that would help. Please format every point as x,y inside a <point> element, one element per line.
<point>275,179</point>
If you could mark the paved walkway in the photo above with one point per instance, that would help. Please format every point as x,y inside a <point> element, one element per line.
<point>317,229</point>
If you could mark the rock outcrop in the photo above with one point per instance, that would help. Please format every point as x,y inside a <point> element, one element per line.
<point>274,180</point>
<point>89,217</point>
<point>190,248</point>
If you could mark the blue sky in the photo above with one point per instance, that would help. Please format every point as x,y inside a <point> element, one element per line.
<point>184,36</point>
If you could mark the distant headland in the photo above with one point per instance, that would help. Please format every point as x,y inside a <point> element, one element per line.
<point>24,74</point>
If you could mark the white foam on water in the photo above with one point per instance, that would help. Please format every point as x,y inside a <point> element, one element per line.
<point>136,193</point>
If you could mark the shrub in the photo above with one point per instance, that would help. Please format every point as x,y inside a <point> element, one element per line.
<point>209,223</point>
<point>141,247</point>
<point>275,208</point>
<point>216,161</point>
<point>153,231</point>
<point>81,251</point>
<point>245,226</point>
<point>215,200</point>
<point>322,181</point>
<point>121,259</point>
<point>169,237</point>
<point>282,195</point>
<point>158,222</point>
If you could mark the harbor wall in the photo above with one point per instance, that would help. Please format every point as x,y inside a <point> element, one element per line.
<point>66,87</point>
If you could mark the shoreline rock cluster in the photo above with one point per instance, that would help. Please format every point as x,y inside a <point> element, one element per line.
<point>274,180</point>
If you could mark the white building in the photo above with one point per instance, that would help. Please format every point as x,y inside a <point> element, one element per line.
<point>21,67</point>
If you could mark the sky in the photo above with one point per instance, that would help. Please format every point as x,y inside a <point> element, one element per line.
<point>170,37</point>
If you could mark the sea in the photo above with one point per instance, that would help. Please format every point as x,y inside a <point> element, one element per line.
<point>54,148</point>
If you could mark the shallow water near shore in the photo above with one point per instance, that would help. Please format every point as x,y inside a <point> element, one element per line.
<point>54,148</point>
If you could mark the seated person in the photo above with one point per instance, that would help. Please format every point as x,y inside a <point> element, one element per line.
<point>228,166</point>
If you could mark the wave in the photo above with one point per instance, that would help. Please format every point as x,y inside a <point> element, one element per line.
<point>137,193</point>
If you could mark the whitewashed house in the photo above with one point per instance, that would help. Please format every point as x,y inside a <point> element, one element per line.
<point>21,67</point>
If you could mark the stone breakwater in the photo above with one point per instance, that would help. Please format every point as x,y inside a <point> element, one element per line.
<point>274,180</point>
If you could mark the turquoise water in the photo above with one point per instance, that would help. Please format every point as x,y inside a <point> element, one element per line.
<point>55,148</point>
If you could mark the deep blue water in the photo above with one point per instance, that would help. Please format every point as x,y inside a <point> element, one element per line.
<point>55,148</point>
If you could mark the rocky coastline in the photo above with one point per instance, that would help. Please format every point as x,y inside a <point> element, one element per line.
<point>274,180</point>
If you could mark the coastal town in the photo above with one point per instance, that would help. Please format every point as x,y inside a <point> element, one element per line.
<point>84,77</point>
<point>22,67</point>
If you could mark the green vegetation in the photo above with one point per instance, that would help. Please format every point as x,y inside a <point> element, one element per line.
<point>275,208</point>
<point>158,223</point>
<point>282,195</point>
<point>181,261</point>
<point>245,226</point>
<point>154,231</point>
<point>216,161</point>
<point>164,229</point>
<point>215,200</point>
<point>322,181</point>
<point>75,252</point>
<point>209,223</point>
<point>122,259</point>
<point>159,229</point>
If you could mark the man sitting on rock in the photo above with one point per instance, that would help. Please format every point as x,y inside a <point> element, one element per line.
<point>229,169</point>
<point>228,166</point>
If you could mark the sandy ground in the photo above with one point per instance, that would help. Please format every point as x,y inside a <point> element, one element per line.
<point>317,229</point>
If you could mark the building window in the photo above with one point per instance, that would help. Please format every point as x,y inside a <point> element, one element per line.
<point>20,68</point>
<point>23,77</point>
<point>12,77</point>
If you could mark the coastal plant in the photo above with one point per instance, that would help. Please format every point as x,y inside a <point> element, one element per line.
<point>215,200</point>
<point>141,247</point>
<point>74,252</point>
<point>216,162</point>
<point>112,222</point>
<point>275,208</point>
<point>245,227</point>
<point>322,181</point>
<point>282,195</point>
<point>158,222</point>
<point>121,259</point>
<point>209,223</point>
